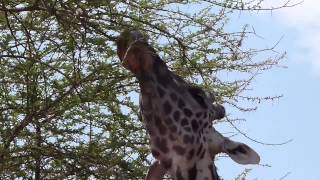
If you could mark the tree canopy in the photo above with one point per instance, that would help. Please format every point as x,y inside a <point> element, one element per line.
<point>68,108</point>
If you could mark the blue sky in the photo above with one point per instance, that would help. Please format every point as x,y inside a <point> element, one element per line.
<point>296,115</point>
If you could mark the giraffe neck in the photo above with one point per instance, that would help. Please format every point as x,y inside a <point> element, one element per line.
<point>178,124</point>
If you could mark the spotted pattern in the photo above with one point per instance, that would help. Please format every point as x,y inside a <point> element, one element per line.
<point>187,112</point>
<point>190,154</point>
<point>191,123</point>
<point>167,107</point>
<point>187,139</point>
<point>184,122</point>
<point>179,149</point>
<point>194,125</point>
<point>198,114</point>
<point>176,116</point>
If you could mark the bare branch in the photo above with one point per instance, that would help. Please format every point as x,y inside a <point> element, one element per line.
<point>254,140</point>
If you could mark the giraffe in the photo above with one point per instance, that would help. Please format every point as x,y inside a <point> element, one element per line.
<point>177,116</point>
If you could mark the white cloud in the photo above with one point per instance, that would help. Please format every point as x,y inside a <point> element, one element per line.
<point>305,20</point>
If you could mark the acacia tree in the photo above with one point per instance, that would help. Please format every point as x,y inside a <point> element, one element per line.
<point>67,107</point>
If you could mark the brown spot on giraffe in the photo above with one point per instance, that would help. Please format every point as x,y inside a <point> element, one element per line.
<point>179,149</point>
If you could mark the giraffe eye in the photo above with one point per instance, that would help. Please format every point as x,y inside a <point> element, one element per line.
<point>197,94</point>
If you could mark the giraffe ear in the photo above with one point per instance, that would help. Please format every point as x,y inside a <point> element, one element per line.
<point>220,111</point>
<point>241,153</point>
<point>156,171</point>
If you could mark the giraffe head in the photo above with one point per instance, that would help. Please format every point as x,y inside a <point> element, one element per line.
<point>129,43</point>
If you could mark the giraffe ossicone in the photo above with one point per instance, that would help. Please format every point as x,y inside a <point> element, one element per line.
<point>177,116</point>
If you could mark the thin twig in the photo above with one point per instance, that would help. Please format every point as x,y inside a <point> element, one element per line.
<point>256,141</point>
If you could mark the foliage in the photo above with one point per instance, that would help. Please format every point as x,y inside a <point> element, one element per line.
<point>67,107</point>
